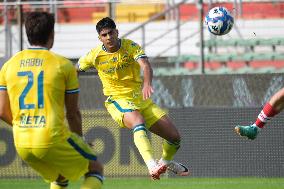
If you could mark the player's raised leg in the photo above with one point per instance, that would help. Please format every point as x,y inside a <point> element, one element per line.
<point>60,183</point>
<point>166,129</point>
<point>249,131</point>
<point>94,178</point>
<point>270,109</point>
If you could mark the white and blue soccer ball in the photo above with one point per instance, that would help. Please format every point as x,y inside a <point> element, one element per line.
<point>219,21</point>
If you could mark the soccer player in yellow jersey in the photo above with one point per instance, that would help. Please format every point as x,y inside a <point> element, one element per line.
<point>35,86</point>
<point>118,62</point>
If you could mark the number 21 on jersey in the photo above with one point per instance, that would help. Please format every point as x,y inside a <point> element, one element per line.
<point>31,81</point>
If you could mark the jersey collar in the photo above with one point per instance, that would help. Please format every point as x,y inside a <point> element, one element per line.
<point>32,47</point>
<point>105,49</point>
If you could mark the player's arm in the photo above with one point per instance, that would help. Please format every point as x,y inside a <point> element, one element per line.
<point>85,62</point>
<point>5,110</point>
<point>147,77</point>
<point>73,113</point>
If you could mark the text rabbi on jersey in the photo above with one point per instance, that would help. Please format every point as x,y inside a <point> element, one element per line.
<point>31,62</point>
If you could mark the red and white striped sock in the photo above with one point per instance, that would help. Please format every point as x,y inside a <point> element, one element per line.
<point>265,115</point>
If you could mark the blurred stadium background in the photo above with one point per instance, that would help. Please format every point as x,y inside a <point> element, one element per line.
<point>208,84</point>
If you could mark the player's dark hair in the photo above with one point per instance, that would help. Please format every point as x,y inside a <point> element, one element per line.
<point>105,23</point>
<point>39,26</point>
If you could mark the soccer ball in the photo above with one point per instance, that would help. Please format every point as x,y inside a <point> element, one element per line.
<point>219,21</point>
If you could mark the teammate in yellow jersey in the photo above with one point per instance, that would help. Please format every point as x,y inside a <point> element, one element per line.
<point>35,86</point>
<point>118,62</point>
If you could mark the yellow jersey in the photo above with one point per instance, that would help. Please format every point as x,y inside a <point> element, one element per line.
<point>118,71</point>
<point>36,81</point>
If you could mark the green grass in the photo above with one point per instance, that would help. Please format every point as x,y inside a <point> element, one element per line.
<point>164,183</point>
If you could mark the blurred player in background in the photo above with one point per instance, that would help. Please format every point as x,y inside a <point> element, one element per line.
<point>35,86</point>
<point>118,62</point>
<point>270,109</point>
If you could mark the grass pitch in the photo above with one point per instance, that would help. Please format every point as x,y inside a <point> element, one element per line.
<point>164,183</point>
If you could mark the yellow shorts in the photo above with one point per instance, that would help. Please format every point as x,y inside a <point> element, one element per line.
<point>69,158</point>
<point>117,107</point>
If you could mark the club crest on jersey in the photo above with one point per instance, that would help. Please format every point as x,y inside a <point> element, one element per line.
<point>114,59</point>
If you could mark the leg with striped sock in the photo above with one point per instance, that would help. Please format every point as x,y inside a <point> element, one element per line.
<point>251,131</point>
<point>169,150</point>
<point>265,115</point>
<point>60,183</point>
<point>142,142</point>
<point>93,180</point>
<point>165,128</point>
<point>143,145</point>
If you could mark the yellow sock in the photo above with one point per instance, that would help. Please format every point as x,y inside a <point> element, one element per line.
<point>59,185</point>
<point>169,150</point>
<point>91,183</point>
<point>142,142</point>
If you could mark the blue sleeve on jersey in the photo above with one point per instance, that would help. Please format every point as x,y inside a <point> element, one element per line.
<point>71,91</point>
<point>3,88</point>
<point>141,56</point>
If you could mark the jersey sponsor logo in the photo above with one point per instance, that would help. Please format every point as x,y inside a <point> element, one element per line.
<point>32,121</point>
<point>104,62</point>
<point>114,69</point>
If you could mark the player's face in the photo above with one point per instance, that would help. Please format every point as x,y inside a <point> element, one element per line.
<point>109,37</point>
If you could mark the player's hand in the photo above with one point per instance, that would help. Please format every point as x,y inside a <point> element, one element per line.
<point>147,91</point>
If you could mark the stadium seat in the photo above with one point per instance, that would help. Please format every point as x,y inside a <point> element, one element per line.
<point>184,58</point>
<point>262,56</point>
<point>218,57</point>
<point>234,65</point>
<point>209,43</point>
<point>265,70</point>
<point>278,56</point>
<point>243,42</point>
<point>213,65</point>
<point>250,9</point>
<point>171,71</point>
<point>77,14</point>
<point>247,42</point>
<point>190,65</point>
<point>281,41</point>
<point>223,43</point>
<point>245,70</point>
<point>179,71</point>
<point>272,41</point>
<point>227,43</point>
<point>136,13</point>
<point>160,71</point>
<point>263,64</point>
<point>96,16</point>
<point>221,70</point>
<point>242,57</point>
